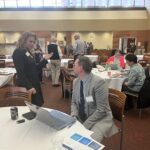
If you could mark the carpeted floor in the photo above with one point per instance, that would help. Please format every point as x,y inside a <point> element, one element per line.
<point>137,131</point>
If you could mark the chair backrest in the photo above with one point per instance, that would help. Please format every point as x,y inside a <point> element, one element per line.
<point>14,96</point>
<point>15,79</point>
<point>146,58</point>
<point>2,56</point>
<point>2,63</point>
<point>65,74</point>
<point>117,103</point>
<point>70,63</point>
<point>143,63</point>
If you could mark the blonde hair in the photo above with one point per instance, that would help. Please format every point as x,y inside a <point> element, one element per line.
<point>24,37</point>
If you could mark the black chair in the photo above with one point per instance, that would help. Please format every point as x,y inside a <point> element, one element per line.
<point>143,97</point>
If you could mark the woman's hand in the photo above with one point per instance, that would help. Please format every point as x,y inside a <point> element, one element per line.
<point>32,91</point>
<point>48,56</point>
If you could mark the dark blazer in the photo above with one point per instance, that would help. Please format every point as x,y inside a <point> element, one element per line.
<point>27,73</point>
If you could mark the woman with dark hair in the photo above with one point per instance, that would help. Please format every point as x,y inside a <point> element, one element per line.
<point>136,74</point>
<point>116,58</point>
<point>27,69</point>
<point>135,79</point>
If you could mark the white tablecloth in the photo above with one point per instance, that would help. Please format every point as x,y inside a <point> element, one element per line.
<point>6,75</point>
<point>93,58</point>
<point>8,60</point>
<point>139,57</point>
<point>64,63</point>
<point>33,134</point>
<point>115,83</point>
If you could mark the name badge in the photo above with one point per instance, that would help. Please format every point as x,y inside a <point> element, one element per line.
<point>89,99</point>
<point>27,54</point>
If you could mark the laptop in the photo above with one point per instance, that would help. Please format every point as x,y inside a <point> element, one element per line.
<point>33,111</point>
<point>54,118</point>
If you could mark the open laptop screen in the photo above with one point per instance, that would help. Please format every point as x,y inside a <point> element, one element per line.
<point>54,118</point>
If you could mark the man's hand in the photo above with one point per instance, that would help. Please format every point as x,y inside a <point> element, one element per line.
<point>32,91</point>
<point>48,56</point>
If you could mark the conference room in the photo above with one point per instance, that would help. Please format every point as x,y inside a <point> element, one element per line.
<point>102,27</point>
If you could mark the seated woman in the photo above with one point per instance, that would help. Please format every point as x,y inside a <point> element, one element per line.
<point>135,78</point>
<point>136,74</point>
<point>116,58</point>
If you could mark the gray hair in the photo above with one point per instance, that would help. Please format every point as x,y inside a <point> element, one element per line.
<point>77,36</point>
<point>24,37</point>
<point>86,63</point>
<point>53,39</point>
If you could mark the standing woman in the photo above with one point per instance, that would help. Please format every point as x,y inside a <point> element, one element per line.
<point>27,69</point>
<point>55,60</point>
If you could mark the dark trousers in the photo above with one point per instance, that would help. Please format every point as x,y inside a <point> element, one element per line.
<point>129,99</point>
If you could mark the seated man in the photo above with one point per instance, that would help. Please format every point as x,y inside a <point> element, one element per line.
<point>90,101</point>
<point>136,74</point>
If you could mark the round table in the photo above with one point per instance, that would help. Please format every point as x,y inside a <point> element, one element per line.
<point>112,82</point>
<point>33,134</point>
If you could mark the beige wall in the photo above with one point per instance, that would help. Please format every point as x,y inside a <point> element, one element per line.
<point>100,40</point>
<point>74,20</point>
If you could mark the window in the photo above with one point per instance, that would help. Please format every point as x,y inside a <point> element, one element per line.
<point>113,3</point>
<point>75,3</point>
<point>23,3</point>
<point>1,3</point>
<point>127,3</point>
<point>36,3</point>
<point>101,3</point>
<point>49,3</point>
<point>139,3</point>
<point>88,3</point>
<point>10,4</point>
<point>71,3</point>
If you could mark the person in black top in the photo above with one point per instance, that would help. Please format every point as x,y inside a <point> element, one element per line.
<point>26,67</point>
<point>55,61</point>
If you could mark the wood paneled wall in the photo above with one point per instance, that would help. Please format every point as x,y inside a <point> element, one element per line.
<point>141,36</point>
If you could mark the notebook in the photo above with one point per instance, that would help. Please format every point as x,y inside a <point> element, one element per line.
<point>33,111</point>
<point>54,118</point>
